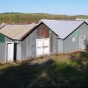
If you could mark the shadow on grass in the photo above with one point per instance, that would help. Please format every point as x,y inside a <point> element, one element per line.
<point>45,75</point>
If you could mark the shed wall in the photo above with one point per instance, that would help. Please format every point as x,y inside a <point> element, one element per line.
<point>60,46</point>
<point>2,52</point>
<point>19,51</point>
<point>8,39</point>
<point>28,46</point>
<point>53,42</point>
<point>71,43</point>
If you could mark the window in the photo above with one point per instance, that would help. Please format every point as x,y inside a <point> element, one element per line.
<point>2,38</point>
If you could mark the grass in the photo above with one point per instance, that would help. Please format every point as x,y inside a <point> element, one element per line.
<point>68,71</point>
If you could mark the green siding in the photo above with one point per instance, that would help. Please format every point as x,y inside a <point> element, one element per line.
<point>75,33</point>
<point>2,38</point>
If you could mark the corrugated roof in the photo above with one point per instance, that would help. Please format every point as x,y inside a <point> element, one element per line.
<point>86,20</point>
<point>17,31</point>
<point>62,28</point>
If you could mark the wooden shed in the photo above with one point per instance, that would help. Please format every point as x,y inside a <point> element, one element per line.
<point>72,35</point>
<point>22,42</point>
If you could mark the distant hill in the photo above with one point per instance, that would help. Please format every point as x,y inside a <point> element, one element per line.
<point>14,17</point>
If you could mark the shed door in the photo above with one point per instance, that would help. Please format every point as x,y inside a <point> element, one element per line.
<point>10,51</point>
<point>82,42</point>
<point>46,46</point>
<point>42,46</point>
<point>39,45</point>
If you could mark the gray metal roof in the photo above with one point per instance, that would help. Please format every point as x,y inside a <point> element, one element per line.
<point>86,20</point>
<point>62,28</point>
<point>17,31</point>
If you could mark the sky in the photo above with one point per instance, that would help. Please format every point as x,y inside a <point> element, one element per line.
<point>60,7</point>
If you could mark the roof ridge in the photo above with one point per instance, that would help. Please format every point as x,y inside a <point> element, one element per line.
<point>63,28</point>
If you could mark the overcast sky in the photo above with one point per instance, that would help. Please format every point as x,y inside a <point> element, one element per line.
<point>62,7</point>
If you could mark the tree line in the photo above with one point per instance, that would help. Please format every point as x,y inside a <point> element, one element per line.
<point>34,17</point>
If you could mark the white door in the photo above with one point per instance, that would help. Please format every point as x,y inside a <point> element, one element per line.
<point>82,42</point>
<point>46,46</point>
<point>42,46</point>
<point>39,44</point>
<point>10,51</point>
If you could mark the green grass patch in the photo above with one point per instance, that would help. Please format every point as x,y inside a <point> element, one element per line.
<point>52,72</point>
